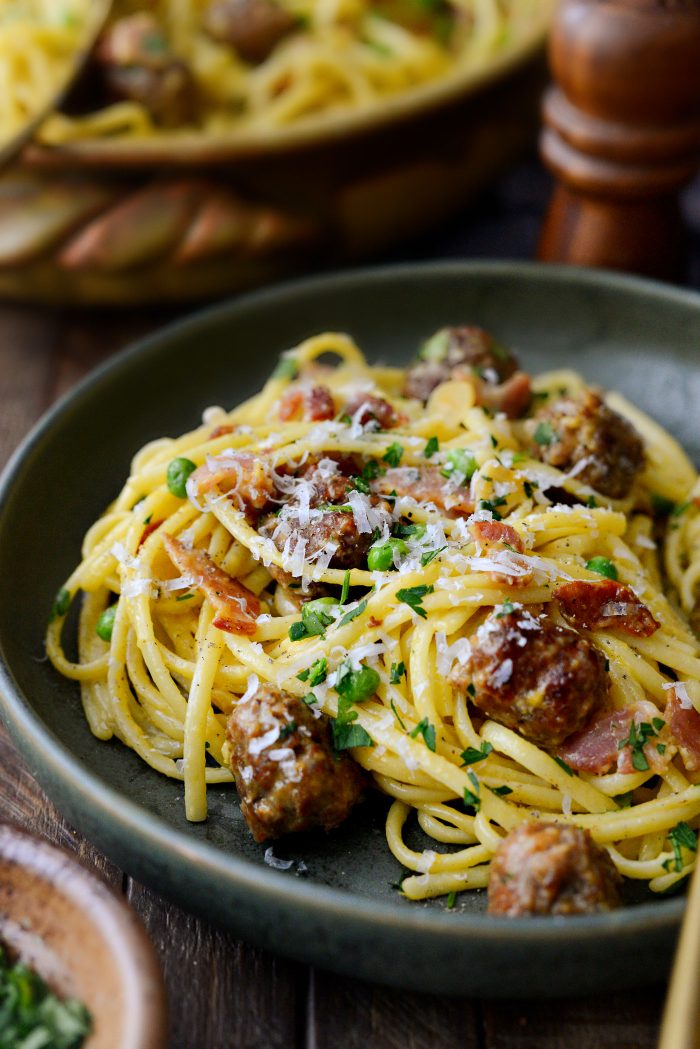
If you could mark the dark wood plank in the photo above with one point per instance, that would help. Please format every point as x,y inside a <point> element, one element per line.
<point>357,1015</point>
<point>223,994</point>
<point>23,803</point>
<point>615,1021</point>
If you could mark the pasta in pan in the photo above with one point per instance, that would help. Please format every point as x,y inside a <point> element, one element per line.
<point>221,65</point>
<point>38,40</point>
<point>478,583</point>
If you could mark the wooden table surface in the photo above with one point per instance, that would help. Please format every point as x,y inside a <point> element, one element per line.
<point>225,994</point>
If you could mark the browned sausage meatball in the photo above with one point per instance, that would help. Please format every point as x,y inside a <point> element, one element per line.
<point>287,775</point>
<point>470,352</point>
<point>138,64</point>
<point>551,868</point>
<point>327,483</point>
<point>542,680</point>
<point>252,27</point>
<point>583,431</point>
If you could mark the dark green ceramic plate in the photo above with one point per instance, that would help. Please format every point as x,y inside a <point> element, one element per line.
<point>640,337</point>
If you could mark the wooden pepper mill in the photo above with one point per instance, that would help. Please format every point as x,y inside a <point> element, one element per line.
<point>622,132</point>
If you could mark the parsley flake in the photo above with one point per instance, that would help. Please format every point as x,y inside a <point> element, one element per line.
<point>413,597</point>
<point>545,434</point>
<point>425,729</point>
<point>431,448</point>
<point>472,798</point>
<point>393,454</point>
<point>398,670</point>
<point>471,755</point>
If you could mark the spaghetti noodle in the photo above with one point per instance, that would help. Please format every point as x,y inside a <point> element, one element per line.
<point>502,534</point>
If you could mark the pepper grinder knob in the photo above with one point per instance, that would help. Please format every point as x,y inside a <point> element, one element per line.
<point>621,132</point>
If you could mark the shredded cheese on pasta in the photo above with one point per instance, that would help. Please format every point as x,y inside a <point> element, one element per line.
<point>168,678</point>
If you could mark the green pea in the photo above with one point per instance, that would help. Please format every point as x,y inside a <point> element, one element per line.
<point>105,624</point>
<point>178,472</point>
<point>381,558</point>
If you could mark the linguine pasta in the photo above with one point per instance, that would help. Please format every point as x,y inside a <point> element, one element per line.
<point>166,678</point>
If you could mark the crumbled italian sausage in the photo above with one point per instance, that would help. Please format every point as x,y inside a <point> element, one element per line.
<point>138,64</point>
<point>550,868</point>
<point>286,772</point>
<point>252,27</point>
<point>542,680</point>
<point>582,433</point>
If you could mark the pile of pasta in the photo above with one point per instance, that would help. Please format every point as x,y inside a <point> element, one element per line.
<point>166,680</point>
<point>345,55</point>
<point>38,42</point>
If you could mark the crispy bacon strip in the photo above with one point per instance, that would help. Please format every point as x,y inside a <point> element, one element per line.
<point>312,404</point>
<point>221,431</point>
<point>497,541</point>
<point>512,396</point>
<point>596,748</point>
<point>684,723</point>
<point>495,533</point>
<point>426,485</point>
<point>247,477</point>
<point>605,605</point>
<point>149,530</point>
<point>236,607</point>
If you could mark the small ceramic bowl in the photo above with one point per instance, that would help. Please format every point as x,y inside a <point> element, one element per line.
<point>69,927</point>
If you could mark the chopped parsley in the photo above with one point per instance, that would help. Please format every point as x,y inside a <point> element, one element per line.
<point>603,566</point>
<point>393,454</point>
<point>346,735</point>
<point>492,506</point>
<point>406,531</point>
<point>316,673</point>
<point>413,597</point>
<point>529,487</point>
<point>286,730</point>
<point>562,765</point>
<point>177,475</point>
<point>398,716</point>
<point>428,556</point>
<point>60,605</point>
<point>639,736</point>
<point>681,837</point>
<point>31,1017</point>
<point>591,502</point>
<point>370,470</point>
<point>287,368</point>
<point>502,791</point>
<point>314,618</point>
<point>398,670</point>
<point>545,434</point>
<point>105,624</point>
<point>353,613</point>
<point>346,587</point>
<point>460,465</point>
<point>185,597</point>
<point>431,448</point>
<point>471,755</point>
<point>505,610</point>
<point>681,508</point>
<point>472,798</point>
<point>354,686</point>
<point>425,729</point>
<point>451,900</point>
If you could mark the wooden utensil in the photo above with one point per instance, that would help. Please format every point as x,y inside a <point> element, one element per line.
<point>680,1027</point>
<point>622,132</point>
<point>97,16</point>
